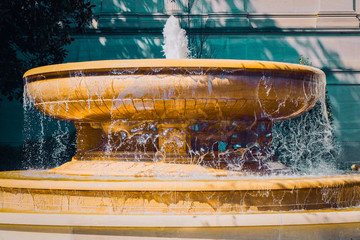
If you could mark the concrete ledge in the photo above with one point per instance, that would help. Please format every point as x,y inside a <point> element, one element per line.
<point>11,180</point>
<point>258,20</point>
<point>240,220</point>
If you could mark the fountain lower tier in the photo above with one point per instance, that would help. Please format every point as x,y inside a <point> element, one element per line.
<point>41,205</point>
<point>38,191</point>
<point>340,224</point>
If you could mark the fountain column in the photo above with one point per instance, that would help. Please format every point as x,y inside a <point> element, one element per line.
<point>174,142</point>
<point>88,138</point>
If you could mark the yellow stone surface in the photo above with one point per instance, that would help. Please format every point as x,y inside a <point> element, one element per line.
<point>158,89</point>
<point>43,192</point>
<point>106,97</point>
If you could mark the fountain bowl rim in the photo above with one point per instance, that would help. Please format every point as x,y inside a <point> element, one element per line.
<point>19,179</point>
<point>248,65</point>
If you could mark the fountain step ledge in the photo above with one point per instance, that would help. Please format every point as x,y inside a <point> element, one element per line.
<point>239,220</point>
<point>54,194</point>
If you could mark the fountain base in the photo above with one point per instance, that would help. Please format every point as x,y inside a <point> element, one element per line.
<point>203,192</point>
<point>169,167</point>
<point>137,169</point>
<point>339,224</point>
<point>37,204</point>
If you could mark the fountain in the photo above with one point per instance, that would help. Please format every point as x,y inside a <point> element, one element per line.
<point>175,144</point>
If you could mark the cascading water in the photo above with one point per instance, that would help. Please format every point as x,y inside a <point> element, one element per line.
<point>47,141</point>
<point>305,143</point>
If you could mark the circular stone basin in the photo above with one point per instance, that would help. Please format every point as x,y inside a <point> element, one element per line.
<point>42,192</point>
<point>37,203</point>
<point>181,89</point>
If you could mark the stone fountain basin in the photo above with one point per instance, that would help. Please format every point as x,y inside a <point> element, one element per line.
<point>39,205</point>
<point>161,89</point>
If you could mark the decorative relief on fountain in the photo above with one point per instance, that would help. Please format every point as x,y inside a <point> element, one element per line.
<point>174,139</point>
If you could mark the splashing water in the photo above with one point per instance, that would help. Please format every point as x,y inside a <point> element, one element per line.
<point>47,142</point>
<point>306,143</point>
<point>175,40</point>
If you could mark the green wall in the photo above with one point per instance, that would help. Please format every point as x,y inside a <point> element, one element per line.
<point>326,32</point>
